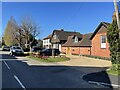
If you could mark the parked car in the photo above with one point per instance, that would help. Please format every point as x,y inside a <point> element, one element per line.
<point>16,50</point>
<point>26,49</point>
<point>6,48</point>
<point>37,49</point>
<point>48,52</point>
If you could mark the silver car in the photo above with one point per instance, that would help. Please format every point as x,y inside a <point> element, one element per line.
<point>16,50</point>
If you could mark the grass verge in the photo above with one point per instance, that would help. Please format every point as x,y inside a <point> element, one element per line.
<point>113,70</point>
<point>48,60</point>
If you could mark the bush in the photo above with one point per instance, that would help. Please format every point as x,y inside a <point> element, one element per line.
<point>97,57</point>
<point>114,42</point>
<point>115,67</point>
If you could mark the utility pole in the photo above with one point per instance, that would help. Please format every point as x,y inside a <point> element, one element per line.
<point>117,15</point>
<point>118,22</point>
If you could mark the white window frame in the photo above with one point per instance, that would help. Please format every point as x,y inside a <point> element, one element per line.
<point>103,40</point>
<point>55,36</point>
<point>76,39</point>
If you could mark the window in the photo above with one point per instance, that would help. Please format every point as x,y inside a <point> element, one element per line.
<point>55,36</point>
<point>44,42</point>
<point>103,41</point>
<point>76,39</point>
<point>47,41</point>
<point>55,46</point>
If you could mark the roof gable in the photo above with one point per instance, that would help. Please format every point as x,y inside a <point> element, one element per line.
<point>48,37</point>
<point>63,35</point>
<point>105,24</point>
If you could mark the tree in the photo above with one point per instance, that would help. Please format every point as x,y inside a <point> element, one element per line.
<point>114,41</point>
<point>9,33</point>
<point>30,30</point>
<point>40,43</point>
<point>3,42</point>
<point>19,36</point>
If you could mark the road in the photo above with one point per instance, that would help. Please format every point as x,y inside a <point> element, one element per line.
<point>18,74</point>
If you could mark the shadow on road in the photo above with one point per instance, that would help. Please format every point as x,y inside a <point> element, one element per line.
<point>7,56</point>
<point>53,76</point>
<point>101,77</point>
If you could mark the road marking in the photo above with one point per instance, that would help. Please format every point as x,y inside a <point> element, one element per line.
<point>6,65</point>
<point>102,83</point>
<point>8,59</point>
<point>19,82</point>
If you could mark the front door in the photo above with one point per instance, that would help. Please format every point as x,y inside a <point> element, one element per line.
<point>68,51</point>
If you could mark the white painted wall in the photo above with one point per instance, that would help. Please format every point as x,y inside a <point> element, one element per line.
<point>46,42</point>
<point>60,47</point>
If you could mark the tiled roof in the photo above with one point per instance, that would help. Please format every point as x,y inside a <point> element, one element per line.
<point>63,35</point>
<point>84,42</point>
<point>48,37</point>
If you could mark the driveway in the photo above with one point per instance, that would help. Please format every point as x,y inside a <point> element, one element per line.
<point>94,69</point>
<point>87,63</point>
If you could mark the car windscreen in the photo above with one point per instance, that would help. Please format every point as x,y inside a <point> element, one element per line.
<point>16,48</point>
<point>6,47</point>
<point>37,49</point>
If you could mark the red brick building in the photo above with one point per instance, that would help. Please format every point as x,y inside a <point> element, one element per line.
<point>59,37</point>
<point>78,46</point>
<point>100,46</point>
<point>94,44</point>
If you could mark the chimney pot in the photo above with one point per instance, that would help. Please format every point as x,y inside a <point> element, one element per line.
<point>62,29</point>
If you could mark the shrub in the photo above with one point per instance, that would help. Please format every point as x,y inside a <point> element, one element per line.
<point>97,57</point>
<point>114,42</point>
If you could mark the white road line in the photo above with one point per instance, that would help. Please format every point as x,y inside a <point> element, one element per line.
<point>6,65</point>
<point>102,83</point>
<point>19,82</point>
<point>7,59</point>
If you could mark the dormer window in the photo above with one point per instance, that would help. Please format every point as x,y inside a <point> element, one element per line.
<point>76,39</point>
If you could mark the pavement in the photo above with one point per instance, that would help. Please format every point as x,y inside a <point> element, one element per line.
<point>36,74</point>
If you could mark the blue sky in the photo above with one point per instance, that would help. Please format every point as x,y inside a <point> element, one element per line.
<point>77,16</point>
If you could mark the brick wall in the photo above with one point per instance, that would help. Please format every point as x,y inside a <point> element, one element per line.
<point>85,51</point>
<point>96,46</point>
<point>63,49</point>
<point>75,50</point>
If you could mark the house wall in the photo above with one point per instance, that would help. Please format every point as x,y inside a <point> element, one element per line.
<point>46,43</point>
<point>96,44</point>
<point>60,47</point>
<point>75,50</point>
<point>63,49</point>
<point>85,50</point>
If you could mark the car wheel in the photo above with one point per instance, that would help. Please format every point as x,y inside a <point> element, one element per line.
<point>12,54</point>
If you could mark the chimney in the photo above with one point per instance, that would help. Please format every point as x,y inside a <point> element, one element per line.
<point>62,29</point>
